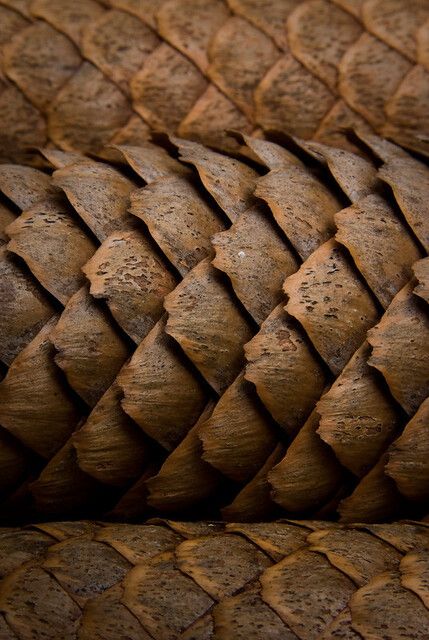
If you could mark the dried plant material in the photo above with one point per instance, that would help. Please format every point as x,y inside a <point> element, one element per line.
<point>25,186</point>
<point>270,154</point>
<point>421,271</point>
<point>289,379</point>
<point>422,43</point>
<point>357,418</point>
<point>23,126</point>
<point>65,530</point>
<point>136,132</point>
<point>185,479</point>
<point>166,70</point>
<point>137,544</point>
<point>246,615</point>
<point>276,541</point>
<point>71,17</point>
<point>12,23</point>
<point>55,61</point>
<point>203,559</point>
<point>375,499</point>
<point>395,22</point>
<point>407,112</point>
<point>200,629</point>
<point>414,569</point>
<point>85,568</point>
<point>341,627</point>
<point>146,10</point>
<point>289,98</point>
<point>21,546</point>
<point>174,202</point>
<point>109,446</point>
<point>164,599</point>
<point>90,350</point>
<point>20,6</point>
<point>118,44</point>
<point>34,600</point>
<point>356,175</point>
<point>161,393</point>
<point>123,576</point>
<point>109,467</point>
<point>381,148</point>
<point>229,181</point>
<point>369,74</point>
<point>133,503</point>
<point>100,195</point>
<point>385,608</point>
<point>400,344</point>
<point>253,502</point>
<point>409,180</point>
<point>150,161</point>
<point>213,329</point>
<point>87,112</point>
<point>238,430</point>
<point>6,218</point>
<point>52,243</point>
<point>352,6</point>
<point>256,259</point>
<point>319,35</point>
<point>302,206</point>
<point>191,25</point>
<point>337,123</point>
<point>404,536</point>
<point>133,279</point>
<point>380,245</point>
<point>309,474</point>
<point>237,68</point>
<point>210,119</point>
<point>408,457</point>
<point>25,308</point>
<point>106,615</point>
<point>331,303</point>
<point>307,611</point>
<point>59,159</point>
<point>34,406</point>
<point>358,554</point>
<point>269,16</point>
<point>63,487</point>
<point>189,529</point>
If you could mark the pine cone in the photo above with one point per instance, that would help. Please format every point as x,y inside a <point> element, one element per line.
<point>191,334</point>
<point>169,580</point>
<point>83,73</point>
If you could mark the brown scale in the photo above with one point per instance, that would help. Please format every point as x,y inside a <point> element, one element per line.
<point>254,501</point>
<point>128,274</point>
<point>50,228</point>
<point>34,405</point>
<point>185,479</point>
<point>400,345</point>
<point>231,183</point>
<point>287,375</point>
<point>421,272</point>
<point>357,418</point>
<point>110,435</point>
<point>237,427</point>
<point>408,457</point>
<point>210,47</point>
<point>154,368</point>
<point>90,350</point>
<point>309,474</point>
<point>334,31</point>
<point>294,580</point>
